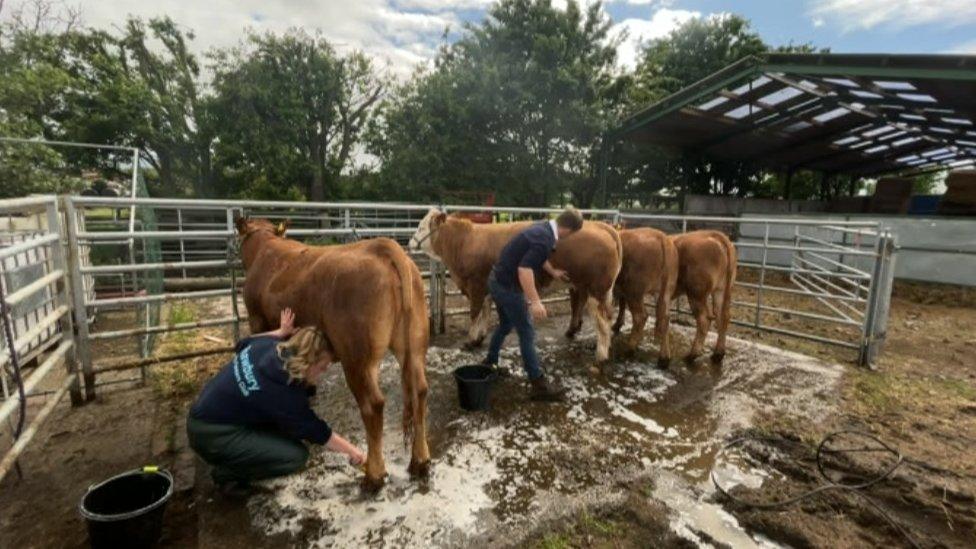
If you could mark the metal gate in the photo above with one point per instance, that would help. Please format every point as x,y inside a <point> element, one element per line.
<point>37,335</point>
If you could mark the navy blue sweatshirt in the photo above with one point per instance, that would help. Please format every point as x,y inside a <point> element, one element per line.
<point>253,390</point>
<point>530,248</point>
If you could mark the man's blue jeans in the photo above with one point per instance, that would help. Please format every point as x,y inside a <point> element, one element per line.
<point>513,312</point>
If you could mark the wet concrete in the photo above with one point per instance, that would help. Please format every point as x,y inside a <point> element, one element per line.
<point>498,475</point>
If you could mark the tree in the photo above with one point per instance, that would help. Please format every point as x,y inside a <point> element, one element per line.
<point>288,110</point>
<point>90,86</point>
<point>516,106</point>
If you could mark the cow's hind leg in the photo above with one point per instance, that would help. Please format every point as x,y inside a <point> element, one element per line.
<point>602,321</point>
<point>576,300</point>
<point>363,380</point>
<point>724,315</point>
<point>662,332</point>
<point>621,314</point>
<point>699,308</point>
<point>414,381</point>
<point>639,314</point>
<point>480,314</point>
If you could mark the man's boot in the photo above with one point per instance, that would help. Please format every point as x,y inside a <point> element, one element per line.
<point>545,390</point>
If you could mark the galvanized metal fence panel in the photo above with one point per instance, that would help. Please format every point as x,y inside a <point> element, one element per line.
<point>197,244</point>
<point>36,310</point>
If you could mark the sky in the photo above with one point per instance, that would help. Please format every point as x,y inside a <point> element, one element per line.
<point>400,34</point>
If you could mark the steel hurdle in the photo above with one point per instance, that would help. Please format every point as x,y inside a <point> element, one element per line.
<point>47,330</point>
<point>814,272</point>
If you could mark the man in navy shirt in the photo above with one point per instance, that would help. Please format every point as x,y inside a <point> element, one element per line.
<point>251,419</point>
<point>512,286</point>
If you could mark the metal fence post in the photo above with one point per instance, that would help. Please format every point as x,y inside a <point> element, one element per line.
<point>762,278</point>
<point>879,298</point>
<point>79,309</point>
<point>232,268</point>
<point>58,262</point>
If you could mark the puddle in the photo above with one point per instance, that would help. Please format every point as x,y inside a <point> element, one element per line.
<point>497,475</point>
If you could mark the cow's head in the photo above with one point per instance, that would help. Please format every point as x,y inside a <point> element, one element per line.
<point>247,226</point>
<point>429,225</point>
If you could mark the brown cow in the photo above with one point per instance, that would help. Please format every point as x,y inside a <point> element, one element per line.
<point>707,263</point>
<point>366,297</point>
<point>650,267</point>
<point>591,257</point>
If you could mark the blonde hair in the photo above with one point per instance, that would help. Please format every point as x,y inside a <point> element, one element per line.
<point>301,350</point>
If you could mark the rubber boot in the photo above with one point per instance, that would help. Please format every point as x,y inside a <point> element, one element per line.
<point>546,391</point>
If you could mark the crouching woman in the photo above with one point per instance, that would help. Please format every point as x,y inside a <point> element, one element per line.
<point>251,420</point>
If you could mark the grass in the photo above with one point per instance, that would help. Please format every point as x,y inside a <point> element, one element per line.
<point>181,378</point>
<point>585,530</point>
<point>180,342</point>
<point>880,392</point>
<point>554,541</point>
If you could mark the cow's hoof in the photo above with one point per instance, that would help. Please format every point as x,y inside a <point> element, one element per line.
<point>717,357</point>
<point>571,333</point>
<point>472,345</point>
<point>663,362</point>
<point>690,359</point>
<point>371,485</point>
<point>626,351</point>
<point>616,329</point>
<point>419,469</point>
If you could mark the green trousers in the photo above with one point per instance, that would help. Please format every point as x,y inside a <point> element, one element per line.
<point>239,453</point>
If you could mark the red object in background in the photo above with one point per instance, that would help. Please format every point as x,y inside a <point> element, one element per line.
<point>472,198</point>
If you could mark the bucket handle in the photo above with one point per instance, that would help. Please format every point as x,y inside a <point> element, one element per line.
<point>145,469</point>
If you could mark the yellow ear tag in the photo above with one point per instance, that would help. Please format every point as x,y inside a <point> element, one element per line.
<point>150,469</point>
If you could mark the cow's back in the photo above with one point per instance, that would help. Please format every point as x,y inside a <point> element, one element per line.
<point>644,254</point>
<point>475,248</point>
<point>591,256</point>
<point>351,291</point>
<point>703,260</point>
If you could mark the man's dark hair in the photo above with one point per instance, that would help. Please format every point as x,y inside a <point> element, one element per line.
<point>570,219</point>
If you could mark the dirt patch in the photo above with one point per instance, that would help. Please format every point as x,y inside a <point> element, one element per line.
<point>625,461</point>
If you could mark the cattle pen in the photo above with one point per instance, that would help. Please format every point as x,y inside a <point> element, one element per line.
<point>92,255</point>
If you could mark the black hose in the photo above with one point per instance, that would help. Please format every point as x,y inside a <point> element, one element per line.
<point>830,485</point>
<point>14,361</point>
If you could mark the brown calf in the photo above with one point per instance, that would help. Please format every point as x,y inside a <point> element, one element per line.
<point>707,263</point>
<point>591,257</point>
<point>367,297</point>
<point>650,267</point>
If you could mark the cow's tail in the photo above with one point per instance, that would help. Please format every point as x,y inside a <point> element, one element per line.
<point>405,269</point>
<point>607,304</point>
<point>663,297</point>
<point>415,336</point>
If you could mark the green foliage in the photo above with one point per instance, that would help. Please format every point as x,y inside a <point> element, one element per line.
<point>516,106</point>
<point>286,113</point>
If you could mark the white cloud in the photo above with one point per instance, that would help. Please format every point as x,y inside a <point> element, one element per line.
<point>965,48</point>
<point>818,22</point>
<point>640,31</point>
<point>443,5</point>
<point>867,14</point>
<point>395,36</point>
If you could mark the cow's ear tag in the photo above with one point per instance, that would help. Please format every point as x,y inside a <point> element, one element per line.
<point>282,227</point>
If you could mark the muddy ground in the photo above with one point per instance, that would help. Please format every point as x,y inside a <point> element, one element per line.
<point>624,462</point>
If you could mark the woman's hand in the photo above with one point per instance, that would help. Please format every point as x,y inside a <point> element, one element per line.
<point>286,323</point>
<point>356,457</point>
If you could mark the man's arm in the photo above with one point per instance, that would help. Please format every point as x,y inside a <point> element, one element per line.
<point>526,278</point>
<point>558,274</point>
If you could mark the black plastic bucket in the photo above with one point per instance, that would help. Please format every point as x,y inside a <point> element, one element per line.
<point>474,386</point>
<point>127,510</point>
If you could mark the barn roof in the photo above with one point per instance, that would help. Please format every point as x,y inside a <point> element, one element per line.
<point>855,114</point>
